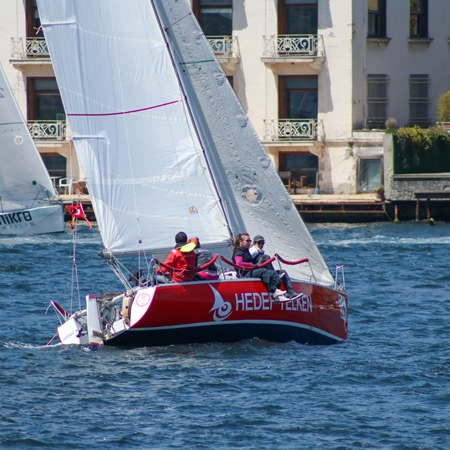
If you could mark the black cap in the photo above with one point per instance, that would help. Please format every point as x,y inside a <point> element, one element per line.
<point>257,238</point>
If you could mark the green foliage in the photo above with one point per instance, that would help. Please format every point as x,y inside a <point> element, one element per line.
<point>419,150</point>
<point>443,108</point>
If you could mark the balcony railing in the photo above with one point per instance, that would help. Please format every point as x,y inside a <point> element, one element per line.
<point>224,45</point>
<point>293,45</point>
<point>291,129</point>
<point>30,47</point>
<point>54,130</point>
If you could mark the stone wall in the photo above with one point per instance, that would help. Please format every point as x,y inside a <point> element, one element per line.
<point>404,187</point>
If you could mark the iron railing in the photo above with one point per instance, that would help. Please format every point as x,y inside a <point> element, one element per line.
<point>291,129</point>
<point>49,130</point>
<point>224,45</point>
<point>290,45</point>
<point>30,47</point>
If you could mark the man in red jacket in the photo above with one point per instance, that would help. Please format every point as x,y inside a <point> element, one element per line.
<point>180,261</point>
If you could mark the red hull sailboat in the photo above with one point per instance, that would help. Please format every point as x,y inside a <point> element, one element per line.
<point>165,145</point>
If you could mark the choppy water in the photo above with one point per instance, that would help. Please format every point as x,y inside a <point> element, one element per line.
<point>388,387</point>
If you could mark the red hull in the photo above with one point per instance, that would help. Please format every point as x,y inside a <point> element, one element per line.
<point>232,310</point>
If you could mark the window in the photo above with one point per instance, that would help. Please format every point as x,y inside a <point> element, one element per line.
<point>214,16</point>
<point>418,100</point>
<point>32,20</point>
<point>418,20</point>
<point>44,101</point>
<point>369,174</point>
<point>56,165</point>
<point>297,17</point>
<point>298,97</point>
<point>377,99</point>
<point>377,18</point>
<point>303,167</point>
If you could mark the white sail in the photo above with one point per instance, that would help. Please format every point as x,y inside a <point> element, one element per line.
<point>146,173</point>
<point>256,199</point>
<point>118,74</point>
<point>24,180</point>
<point>28,201</point>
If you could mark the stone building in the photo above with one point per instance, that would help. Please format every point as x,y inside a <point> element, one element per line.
<point>318,79</point>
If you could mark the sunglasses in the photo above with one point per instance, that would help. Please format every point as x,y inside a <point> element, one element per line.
<point>247,240</point>
<point>260,242</point>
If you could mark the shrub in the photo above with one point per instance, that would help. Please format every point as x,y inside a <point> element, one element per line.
<point>443,108</point>
<point>418,150</point>
<point>390,123</point>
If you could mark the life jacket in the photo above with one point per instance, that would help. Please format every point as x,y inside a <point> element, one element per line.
<point>182,260</point>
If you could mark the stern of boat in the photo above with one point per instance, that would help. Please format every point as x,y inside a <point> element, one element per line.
<point>104,318</point>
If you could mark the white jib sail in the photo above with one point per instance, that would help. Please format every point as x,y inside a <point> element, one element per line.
<point>24,180</point>
<point>144,166</point>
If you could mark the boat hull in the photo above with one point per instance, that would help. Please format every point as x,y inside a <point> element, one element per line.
<point>39,220</point>
<point>233,310</point>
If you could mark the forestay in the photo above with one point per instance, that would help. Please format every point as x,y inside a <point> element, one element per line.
<point>144,166</point>
<point>24,180</point>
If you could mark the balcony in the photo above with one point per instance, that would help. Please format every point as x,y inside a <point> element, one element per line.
<point>49,130</point>
<point>294,131</point>
<point>299,49</point>
<point>226,49</point>
<point>30,55</point>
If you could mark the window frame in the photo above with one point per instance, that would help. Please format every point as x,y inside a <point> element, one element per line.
<point>419,80</point>
<point>365,158</point>
<point>283,93</point>
<point>32,93</point>
<point>382,79</point>
<point>297,172</point>
<point>379,18</point>
<point>197,9</point>
<point>283,9</point>
<point>418,20</point>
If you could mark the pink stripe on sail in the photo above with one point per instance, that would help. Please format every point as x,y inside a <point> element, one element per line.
<point>127,112</point>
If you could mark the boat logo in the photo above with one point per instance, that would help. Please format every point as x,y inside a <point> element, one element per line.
<point>143,300</point>
<point>221,308</point>
<point>343,307</point>
<point>13,218</point>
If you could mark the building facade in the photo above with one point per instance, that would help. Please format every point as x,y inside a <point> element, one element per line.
<point>318,79</point>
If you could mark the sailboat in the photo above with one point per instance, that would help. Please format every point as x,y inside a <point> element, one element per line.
<point>28,201</point>
<point>165,146</point>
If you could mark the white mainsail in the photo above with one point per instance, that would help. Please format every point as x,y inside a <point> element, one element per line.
<point>24,180</point>
<point>119,65</point>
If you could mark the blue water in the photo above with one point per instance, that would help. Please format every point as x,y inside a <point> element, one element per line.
<point>388,387</point>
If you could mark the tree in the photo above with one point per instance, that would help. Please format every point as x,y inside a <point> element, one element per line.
<point>443,108</point>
